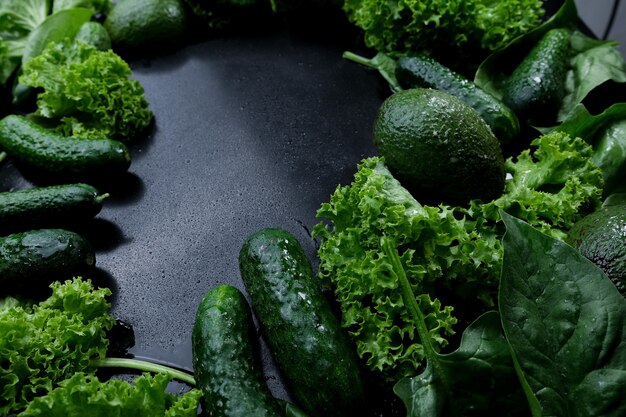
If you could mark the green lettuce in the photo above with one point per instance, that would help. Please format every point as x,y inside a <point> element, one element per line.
<point>450,254</point>
<point>7,65</point>
<point>87,92</point>
<point>43,344</point>
<point>456,33</point>
<point>86,395</point>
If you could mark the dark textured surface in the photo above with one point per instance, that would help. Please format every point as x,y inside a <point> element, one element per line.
<point>250,132</point>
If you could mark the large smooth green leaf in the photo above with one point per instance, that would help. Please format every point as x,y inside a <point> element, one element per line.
<point>57,27</point>
<point>593,63</point>
<point>478,379</point>
<point>566,324</point>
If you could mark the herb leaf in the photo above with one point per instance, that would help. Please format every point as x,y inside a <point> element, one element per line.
<point>566,324</point>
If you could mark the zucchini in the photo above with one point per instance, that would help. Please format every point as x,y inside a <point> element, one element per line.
<point>535,89</point>
<point>424,72</point>
<point>53,206</point>
<point>50,153</point>
<point>317,361</point>
<point>224,363</point>
<point>41,256</point>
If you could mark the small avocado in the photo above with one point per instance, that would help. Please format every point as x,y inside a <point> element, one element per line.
<point>138,25</point>
<point>439,147</point>
<point>601,238</point>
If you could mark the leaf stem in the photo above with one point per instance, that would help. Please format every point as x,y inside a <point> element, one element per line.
<point>390,250</point>
<point>350,56</point>
<point>141,365</point>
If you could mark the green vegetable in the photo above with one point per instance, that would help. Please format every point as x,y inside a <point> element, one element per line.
<point>592,61</point>
<point>55,28</point>
<point>51,206</point>
<point>29,258</point>
<point>315,357</point>
<point>42,149</point>
<point>384,64</point>
<point>94,34</point>
<point>535,89</point>
<point>421,71</point>
<point>439,147</point>
<point>448,253</point>
<point>224,361</point>
<point>88,92</point>
<point>606,132</point>
<point>566,325</point>
<point>7,65</point>
<point>458,34</point>
<point>43,344</point>
<point>601,238</point>
<point>477,379</point>
<point>96,6</point>
<point>140,25</point>
<point>86,395</point>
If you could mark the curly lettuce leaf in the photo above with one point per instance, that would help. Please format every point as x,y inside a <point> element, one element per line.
<point>84,394</point>
<point>448,253</point>
<point>456,33</point>
<point>606,132</point>
<point>87,91</point>
<point>45,343</point>
<point>435,246</point>
<point>551,186</point>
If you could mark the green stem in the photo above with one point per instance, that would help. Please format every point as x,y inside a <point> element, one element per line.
<point>350,56</point>
<point>410,301</point>
<point>143,366</point>
<point>3,156</point>
<point>102,197</point>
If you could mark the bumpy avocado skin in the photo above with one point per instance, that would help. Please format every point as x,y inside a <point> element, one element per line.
<point>439,147</point>
<point>601,238</point>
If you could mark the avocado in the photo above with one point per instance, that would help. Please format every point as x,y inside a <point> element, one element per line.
<point>601,238</point>
<point>439,147</point>
<point>139,25</point>
<point>94,34</point>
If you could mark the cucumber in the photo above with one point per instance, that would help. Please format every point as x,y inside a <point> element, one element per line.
<point>535,89</point>
<point>43,207</point>
<point>50,153</point>
<point>41,256</point>
<point>424,72</point>
<point>317,361</point>
<point>224,364</point>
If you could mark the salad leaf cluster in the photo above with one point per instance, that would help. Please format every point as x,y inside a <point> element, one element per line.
<point>454,32</point>
<point>85,394</point>
<point>88,92</point>
<point>448,253</point>
<point>45,343</point>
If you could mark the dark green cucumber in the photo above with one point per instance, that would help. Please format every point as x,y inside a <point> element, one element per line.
<point>224,364</point>
<point>42,256</point>
<point>315,357</point>
<point>535,89</point>
<point>51,206</point>
<point>424,72</point>
<point>48,152</point>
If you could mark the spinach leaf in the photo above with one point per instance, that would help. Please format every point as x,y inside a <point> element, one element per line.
<point>606,133</point>
<point>566,324</point>
<point>57,27</point>
<point>477,379</point>
<point>594,62</point>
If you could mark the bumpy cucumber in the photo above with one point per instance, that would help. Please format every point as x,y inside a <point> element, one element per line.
<point>41,256</point>
<point>49,152</point>
<point>535,89</point>
<point>424,72</point>
<point>317,360</point>
<point>224,363</point>
<point>51,206</point>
